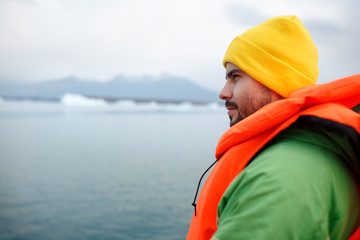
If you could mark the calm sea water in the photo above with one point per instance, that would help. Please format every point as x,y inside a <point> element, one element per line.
<point>102,172</point>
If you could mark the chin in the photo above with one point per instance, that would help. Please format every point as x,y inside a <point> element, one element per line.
<point>236,120</point>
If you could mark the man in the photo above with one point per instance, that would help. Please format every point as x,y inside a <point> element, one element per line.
<point>286,169</point>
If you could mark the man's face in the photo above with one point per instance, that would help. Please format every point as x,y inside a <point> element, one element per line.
<point>243,94</point>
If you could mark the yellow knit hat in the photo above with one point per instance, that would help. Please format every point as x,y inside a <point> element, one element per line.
<point>279,53</point>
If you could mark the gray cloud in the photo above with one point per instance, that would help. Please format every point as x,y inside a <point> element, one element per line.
<point>46,39</point>
<point>243,14</point>
<point>341,38</point>
<point>321,27</point>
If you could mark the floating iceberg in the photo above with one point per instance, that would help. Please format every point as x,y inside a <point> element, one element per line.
<point>70,99</point>
<point>130,106</point>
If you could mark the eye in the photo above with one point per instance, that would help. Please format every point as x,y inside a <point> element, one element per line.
<point>236,76</point>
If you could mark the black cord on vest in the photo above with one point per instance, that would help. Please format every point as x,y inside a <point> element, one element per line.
<point>197,190</point>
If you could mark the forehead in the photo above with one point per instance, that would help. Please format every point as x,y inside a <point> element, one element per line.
<point>231,67</point>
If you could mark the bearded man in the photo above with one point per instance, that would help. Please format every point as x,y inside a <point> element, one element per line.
<point>288,167</point>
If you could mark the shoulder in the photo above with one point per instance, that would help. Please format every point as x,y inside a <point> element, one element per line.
<point>302,161</point>
<point>295,177</point>
<point>301,153</point>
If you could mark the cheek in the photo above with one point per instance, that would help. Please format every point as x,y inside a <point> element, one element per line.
<point>241,91</point>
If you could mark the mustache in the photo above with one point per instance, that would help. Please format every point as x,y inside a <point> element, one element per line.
<point>231,104</point>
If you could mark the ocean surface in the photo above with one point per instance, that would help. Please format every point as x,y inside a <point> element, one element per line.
<point>86,169</point>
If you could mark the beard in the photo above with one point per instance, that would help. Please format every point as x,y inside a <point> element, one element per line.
<point>249,104</point>
<point>239,117</point>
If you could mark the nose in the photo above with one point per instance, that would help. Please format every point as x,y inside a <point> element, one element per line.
<point>226,92</point>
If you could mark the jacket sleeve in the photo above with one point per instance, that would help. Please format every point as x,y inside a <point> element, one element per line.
<point>290,191</point>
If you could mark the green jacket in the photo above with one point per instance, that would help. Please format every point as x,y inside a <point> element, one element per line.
<point>299,187</point>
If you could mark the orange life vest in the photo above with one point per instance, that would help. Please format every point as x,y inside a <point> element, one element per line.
<point>245,139</point>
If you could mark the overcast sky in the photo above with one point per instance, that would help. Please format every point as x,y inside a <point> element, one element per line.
<point>99,39</point>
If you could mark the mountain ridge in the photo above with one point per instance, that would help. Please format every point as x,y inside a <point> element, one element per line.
<point>163,88</point>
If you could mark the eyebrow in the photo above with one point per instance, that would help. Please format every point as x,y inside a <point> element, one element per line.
<point>229,74</point>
